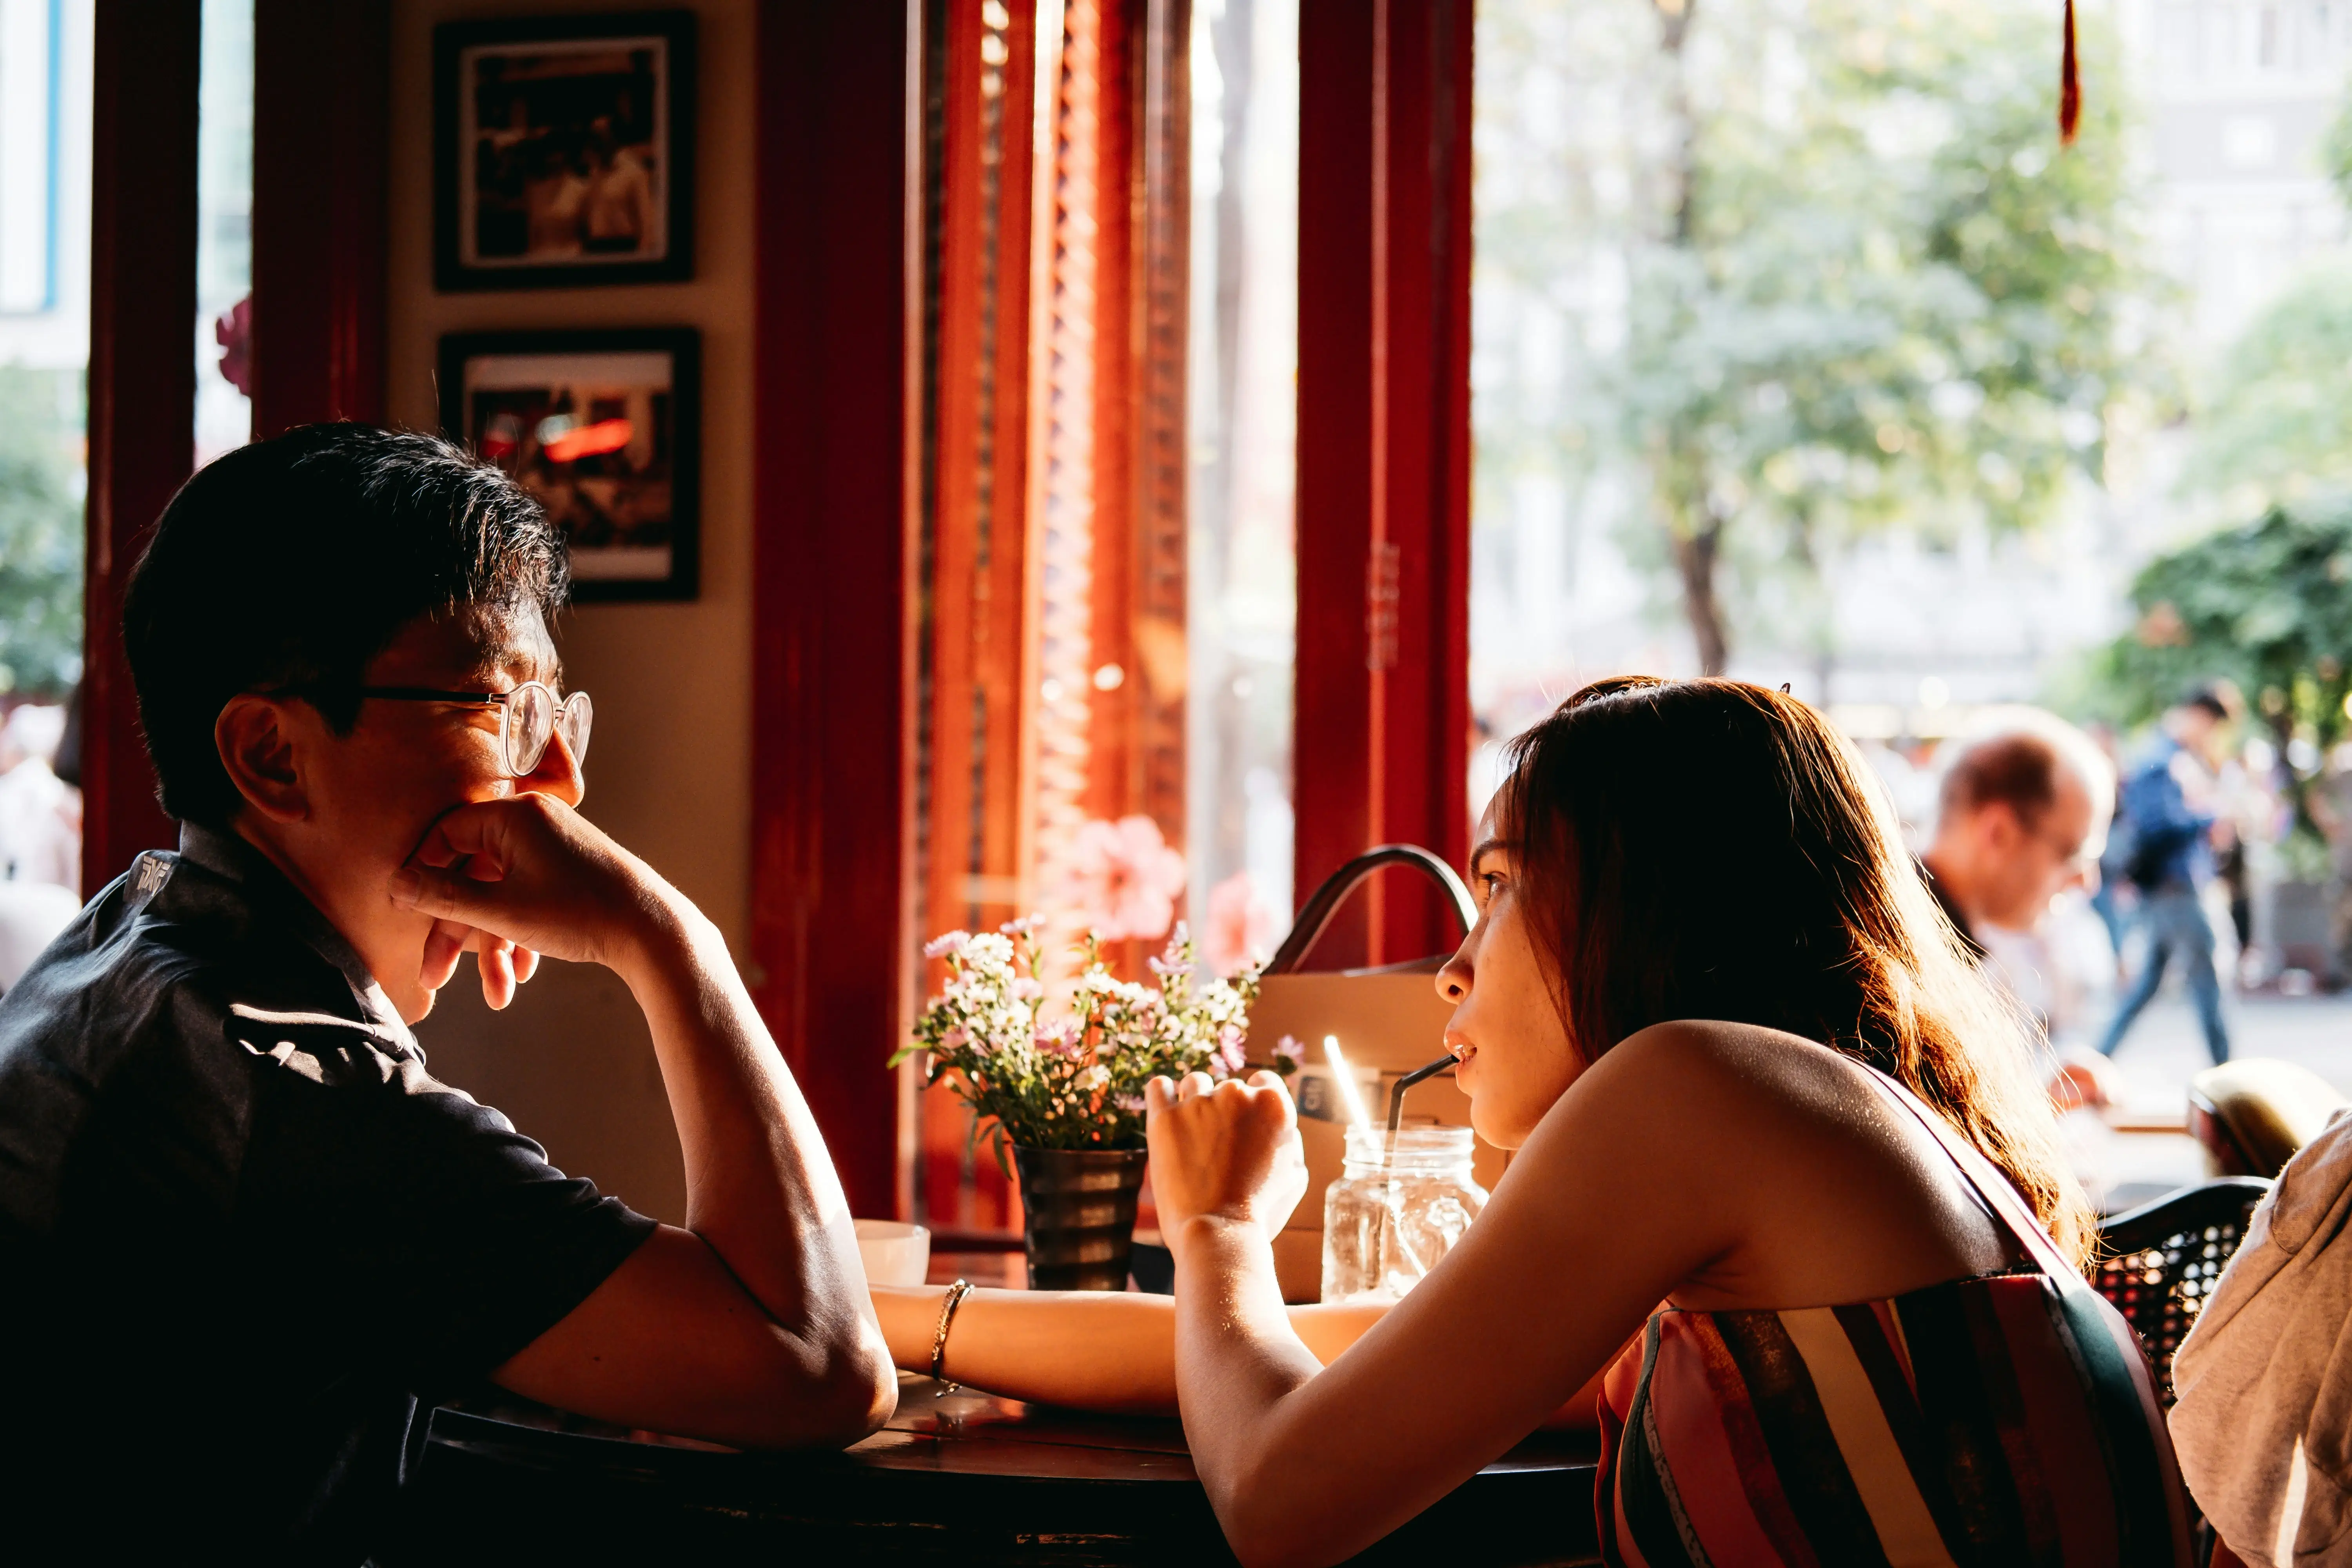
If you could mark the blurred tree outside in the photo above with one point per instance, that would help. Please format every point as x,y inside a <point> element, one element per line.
<point>2268,602</point>
<point>40,531</point>
<point>2269,606</point>
<point>1842,276</point>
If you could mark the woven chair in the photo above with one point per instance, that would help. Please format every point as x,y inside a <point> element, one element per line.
<point>2158,1263</point>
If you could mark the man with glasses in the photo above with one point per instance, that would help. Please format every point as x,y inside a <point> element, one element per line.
<point>244,1235</point>
<point>2021,817</point>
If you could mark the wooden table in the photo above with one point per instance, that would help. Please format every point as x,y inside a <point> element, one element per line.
<point>968,1479</point>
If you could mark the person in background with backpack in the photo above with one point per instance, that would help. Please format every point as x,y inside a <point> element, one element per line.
<point>2166,823</point>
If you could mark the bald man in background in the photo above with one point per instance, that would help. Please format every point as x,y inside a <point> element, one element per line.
<point>2022,817</point>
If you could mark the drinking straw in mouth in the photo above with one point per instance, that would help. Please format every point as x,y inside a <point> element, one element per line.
<point>1396,1095</point>
<point>1350,1095</point>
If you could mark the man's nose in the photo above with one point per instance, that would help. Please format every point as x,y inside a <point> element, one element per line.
<point>558,772</point>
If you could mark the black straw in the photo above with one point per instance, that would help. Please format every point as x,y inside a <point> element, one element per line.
<point>1396,1095</point>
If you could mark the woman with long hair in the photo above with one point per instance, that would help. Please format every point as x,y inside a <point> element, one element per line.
<point>1785,1211</point>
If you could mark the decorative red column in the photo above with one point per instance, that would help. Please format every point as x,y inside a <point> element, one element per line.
<point>1384,739</point>
<point>321,85</point>
<point>142,412</point>
<point>832,630</point>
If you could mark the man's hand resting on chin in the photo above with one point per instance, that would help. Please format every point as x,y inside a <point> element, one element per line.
<point>516,879</point>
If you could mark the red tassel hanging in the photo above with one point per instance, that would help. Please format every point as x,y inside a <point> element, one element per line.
<point>2070,86</point>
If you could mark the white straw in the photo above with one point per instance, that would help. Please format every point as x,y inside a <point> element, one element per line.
<point>1354,1097</point>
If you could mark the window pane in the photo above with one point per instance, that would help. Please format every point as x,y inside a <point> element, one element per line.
<point>45,109</point>
<point>223,228</point>
<point>1243,397</point>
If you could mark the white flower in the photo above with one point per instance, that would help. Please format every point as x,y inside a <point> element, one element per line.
<point>1093,1078</point>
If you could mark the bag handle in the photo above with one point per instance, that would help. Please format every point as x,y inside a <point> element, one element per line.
<point>1319,909</point>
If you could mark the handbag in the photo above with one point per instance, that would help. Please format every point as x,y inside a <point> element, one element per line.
<point>1388,1021</point>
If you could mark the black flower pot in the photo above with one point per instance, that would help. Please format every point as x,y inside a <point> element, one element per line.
<point>1078,1215</point>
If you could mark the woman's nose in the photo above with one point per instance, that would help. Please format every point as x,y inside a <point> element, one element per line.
<point>1454,980</point>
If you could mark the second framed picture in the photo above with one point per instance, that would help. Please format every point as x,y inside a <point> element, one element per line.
<point>604,429</point>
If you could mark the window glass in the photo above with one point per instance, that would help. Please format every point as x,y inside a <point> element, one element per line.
<point>45,109</point>
<point>224,229</point>
<point>1242,607</point>
<point>1805,351</point>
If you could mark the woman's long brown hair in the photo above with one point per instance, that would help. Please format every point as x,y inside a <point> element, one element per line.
<point>1712,849</point>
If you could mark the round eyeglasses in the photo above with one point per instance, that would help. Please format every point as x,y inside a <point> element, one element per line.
<point>529,718</point>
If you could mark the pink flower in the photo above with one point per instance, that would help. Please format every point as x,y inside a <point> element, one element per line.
<point>1124,879</point>
<point>1027,990</point>
<point>953,1040</point>
<point>1061,1038</point>
<point>1291,1049</point>
<point>234,332</point>
<point>943,946</point>
<point>1240,929</point>
<point>1230,1050</point>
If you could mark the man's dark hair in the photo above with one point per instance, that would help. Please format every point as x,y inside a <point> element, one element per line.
<point>290,563</point>
<point>2218,698</point>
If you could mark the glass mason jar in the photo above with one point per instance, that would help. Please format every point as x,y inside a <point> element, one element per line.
<point>1393,1214</point>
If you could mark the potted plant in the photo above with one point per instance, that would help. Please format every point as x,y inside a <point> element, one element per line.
<point>1065,1092</point>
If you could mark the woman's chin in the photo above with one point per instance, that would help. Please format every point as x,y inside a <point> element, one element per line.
<point>1482,1122</point>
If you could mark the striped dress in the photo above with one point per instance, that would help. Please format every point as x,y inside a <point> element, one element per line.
<point>2007,1419</point>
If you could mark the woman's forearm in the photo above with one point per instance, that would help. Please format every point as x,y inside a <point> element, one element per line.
<point>1089,1349</point>
<point>1237,1362</point>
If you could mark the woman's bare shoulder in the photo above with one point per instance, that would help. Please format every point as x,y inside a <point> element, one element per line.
<point>1734,1052</point>
<point>1712,1066</point>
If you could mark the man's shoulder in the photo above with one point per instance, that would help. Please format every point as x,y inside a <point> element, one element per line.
<point>171,961</point>
<point>2155,759</point>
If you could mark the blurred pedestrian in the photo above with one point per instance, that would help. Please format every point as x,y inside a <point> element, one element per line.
<point>40,813</point>
<point>2169,807</point>
<point>2106,898</point>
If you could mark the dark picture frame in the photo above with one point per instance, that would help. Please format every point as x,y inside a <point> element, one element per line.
<point>563,150</point>
<point>605,427</point>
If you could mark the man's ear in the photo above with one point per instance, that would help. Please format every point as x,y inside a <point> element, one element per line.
<point>256,737</point>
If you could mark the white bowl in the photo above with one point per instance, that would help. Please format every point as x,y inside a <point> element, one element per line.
<point>896,1253</point>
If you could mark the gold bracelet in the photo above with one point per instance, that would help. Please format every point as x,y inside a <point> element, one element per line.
<point>956,1293</point>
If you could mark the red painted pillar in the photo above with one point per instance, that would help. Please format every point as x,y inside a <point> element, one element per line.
<point>832,630</point>
<point>1383,738</point>
<point>142,317</point>
<point>321,85</point>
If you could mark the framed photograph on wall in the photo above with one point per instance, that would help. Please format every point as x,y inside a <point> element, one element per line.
<point>563,150</point>
<point>605,429</point>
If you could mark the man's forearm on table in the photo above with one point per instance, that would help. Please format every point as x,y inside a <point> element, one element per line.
<point>760,1187</point>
